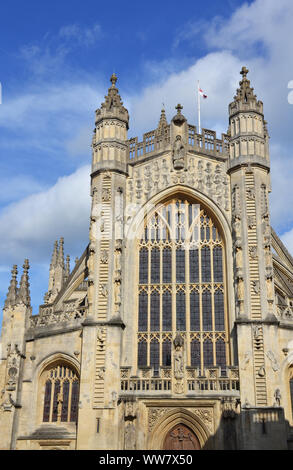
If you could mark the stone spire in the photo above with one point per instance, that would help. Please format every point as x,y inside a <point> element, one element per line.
<point>67,268</point>
<point>113,105</point>
<point>11,298</point>
<point>163,120</point>
<point>24,292</point>
<point>245,99</point>
<point>60,257</point>
<point>54,255</point>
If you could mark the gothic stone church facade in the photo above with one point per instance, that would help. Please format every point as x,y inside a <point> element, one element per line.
<point>174,330</point>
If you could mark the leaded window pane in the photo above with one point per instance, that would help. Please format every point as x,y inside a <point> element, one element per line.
<point>143,265</point>
<point>64,412</point>
<point>219,311</point>
<point>180,311</point>
<point>56,400</point>
<point>154,355</point>
<point>180,265</point>
<point>155,266</point>
<point>142,354</point>
<point>167,353</point>
<point>167,265</point>
<point>218,264</point>
<point>208,353</point>
<point>47,401</point>
<point>155,311</point>
<point>74,401</point>
<point>194,311</point>
<point>207,311</point>
<point>167,311</point>
<point>206,264</point>
<point>195,353</point>
<point>221,353</point>
<point>193,265</point>
<point>143,311</point>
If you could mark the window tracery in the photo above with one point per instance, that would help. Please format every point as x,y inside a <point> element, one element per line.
<point>182,287</point>
<point>61,396</point>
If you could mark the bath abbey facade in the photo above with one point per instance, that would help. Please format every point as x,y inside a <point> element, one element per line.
<point>174,329</point>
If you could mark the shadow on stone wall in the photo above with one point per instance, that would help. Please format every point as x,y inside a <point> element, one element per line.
<point>252,429</point>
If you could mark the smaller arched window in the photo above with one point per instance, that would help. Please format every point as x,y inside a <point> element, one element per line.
<point>61,394</point>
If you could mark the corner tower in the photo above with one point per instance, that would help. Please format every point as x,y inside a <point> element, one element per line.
<point>103,325</point>
<point>249,169</point>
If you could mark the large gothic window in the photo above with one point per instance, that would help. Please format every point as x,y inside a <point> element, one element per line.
<point>182,287</point>
<point>61,395</point>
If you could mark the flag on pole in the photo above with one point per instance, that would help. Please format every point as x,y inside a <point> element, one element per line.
<point>202,93</point>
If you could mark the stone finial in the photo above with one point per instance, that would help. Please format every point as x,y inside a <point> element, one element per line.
<point>163,120</point>
<point>245,92</point>
<point>11,298</point>
<point>54,255</point>
<point>24,292</point>
<point>244,72</point>
<point>179,119</point>
<point>67,268</point>
<point>113,79</point>
<point>60,259</point>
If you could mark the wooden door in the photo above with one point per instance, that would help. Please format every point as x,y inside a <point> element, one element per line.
<point>181,438</point>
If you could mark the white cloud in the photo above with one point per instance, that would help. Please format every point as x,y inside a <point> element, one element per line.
<point>18,187</point>
<point>84,36</point>
<point>29,227</point>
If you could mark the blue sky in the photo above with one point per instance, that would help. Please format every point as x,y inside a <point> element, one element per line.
<point>55,62</point>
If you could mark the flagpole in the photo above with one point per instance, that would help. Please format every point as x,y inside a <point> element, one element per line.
<point>198,108</point>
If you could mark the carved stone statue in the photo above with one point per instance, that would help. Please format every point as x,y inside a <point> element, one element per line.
<point>278,397</point>
<point>178,363</point>
<point>129,437</point>
<point>178,153</point>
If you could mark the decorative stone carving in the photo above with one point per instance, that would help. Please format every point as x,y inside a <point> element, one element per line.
<point>250,193</point>
<point>100,338</point>
<point>253,252</point>
<point>106,194</point>
<point>178,357</point>
<point>247,358</point>
<point>255,286</point>
<point>130,410</point>
<point>236,227</point>
<point>205,415</point>
<point>236,201</point>
<point>104,257</point>
<point>154,415</point>
<point>251,222</point>
<point>101,373</point>
<point>274,362</point>
<point>104,290</point>
<point>211,180</point>
<point>238,256</point>
<point>261,371</point>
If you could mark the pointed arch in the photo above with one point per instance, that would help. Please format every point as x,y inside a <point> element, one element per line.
<point>175,417</point>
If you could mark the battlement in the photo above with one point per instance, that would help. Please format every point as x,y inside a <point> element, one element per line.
<point>157,141</point>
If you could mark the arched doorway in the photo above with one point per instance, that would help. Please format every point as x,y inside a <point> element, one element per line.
<point>180,437</point>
